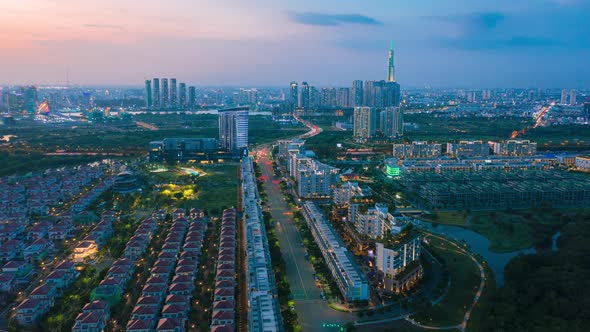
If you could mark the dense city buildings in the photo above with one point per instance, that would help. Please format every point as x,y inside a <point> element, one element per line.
<point>233,130</point>
<point>350,279</point>
<point>417,149</point>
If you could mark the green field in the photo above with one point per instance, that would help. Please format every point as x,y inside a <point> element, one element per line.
<point>217,189</point>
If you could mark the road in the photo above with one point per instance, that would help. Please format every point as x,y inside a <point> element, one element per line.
<point>311,309</point>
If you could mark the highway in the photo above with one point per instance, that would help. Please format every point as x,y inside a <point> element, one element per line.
<point>311,309</point>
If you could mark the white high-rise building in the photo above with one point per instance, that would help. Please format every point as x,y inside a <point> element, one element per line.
<point>233,129</point>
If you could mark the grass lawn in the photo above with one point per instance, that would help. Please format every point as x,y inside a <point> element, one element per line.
<point>464,283</point>
<point>217,189</point>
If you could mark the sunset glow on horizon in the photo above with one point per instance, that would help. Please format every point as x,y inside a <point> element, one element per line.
<point>264,42</point>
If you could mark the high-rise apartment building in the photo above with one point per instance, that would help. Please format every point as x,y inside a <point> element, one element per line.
<point>148,94</point>
<point>192,97</point>
<point>294,95</point>
<point>173,93</point>
<point>391,122</point>
<point>165,93</point>
<point>365,122</point>
<point>182,95</point>
<point>156,92</point>
<point>304,97</point>
<point>357,93</point>
<point>233,129</point>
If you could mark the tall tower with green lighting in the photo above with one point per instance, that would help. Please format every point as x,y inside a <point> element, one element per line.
<point>390,65</point>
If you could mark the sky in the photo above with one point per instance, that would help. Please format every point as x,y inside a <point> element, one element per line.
<point>440,43</point>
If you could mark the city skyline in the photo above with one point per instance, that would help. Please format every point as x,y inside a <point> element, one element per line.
<point>458,44</point>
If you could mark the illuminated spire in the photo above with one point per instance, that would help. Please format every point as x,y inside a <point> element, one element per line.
<point>390,65</point>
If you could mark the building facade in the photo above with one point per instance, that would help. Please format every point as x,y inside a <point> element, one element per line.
<point>467,149</point>
<point>417,149</point>
<point>350,280</point>
<point>365,122</point>
<point>233,130</point>
<point>391,122</point>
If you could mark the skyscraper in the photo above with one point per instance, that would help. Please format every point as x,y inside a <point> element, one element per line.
<point>587,111</point>
<point>148,94</point>
<point>563,100</point>
<point>30,95</point>
<point>573,97</point>
<point>392,123</point>
<point>192,96</point>
<point>294,96</point>
<point>343,97</point>
<point>304,96</point>
<point>390,65</point>
<point>365,122</point>
<point>156,92</point>
<point>173,93</point>
<point>165,93</point>
<point>356,97</point>
<point>233,129</point>
<point>182,95</point>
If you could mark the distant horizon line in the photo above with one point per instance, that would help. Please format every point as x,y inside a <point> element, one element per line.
<point>142,86</point>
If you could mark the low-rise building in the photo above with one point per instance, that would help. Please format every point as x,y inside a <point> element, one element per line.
<point>417,149</point>
<point>350,280</point>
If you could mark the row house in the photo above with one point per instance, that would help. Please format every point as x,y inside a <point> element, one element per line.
<point>93,318</point>
<point>38,250</point>
<point>223,313</point>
